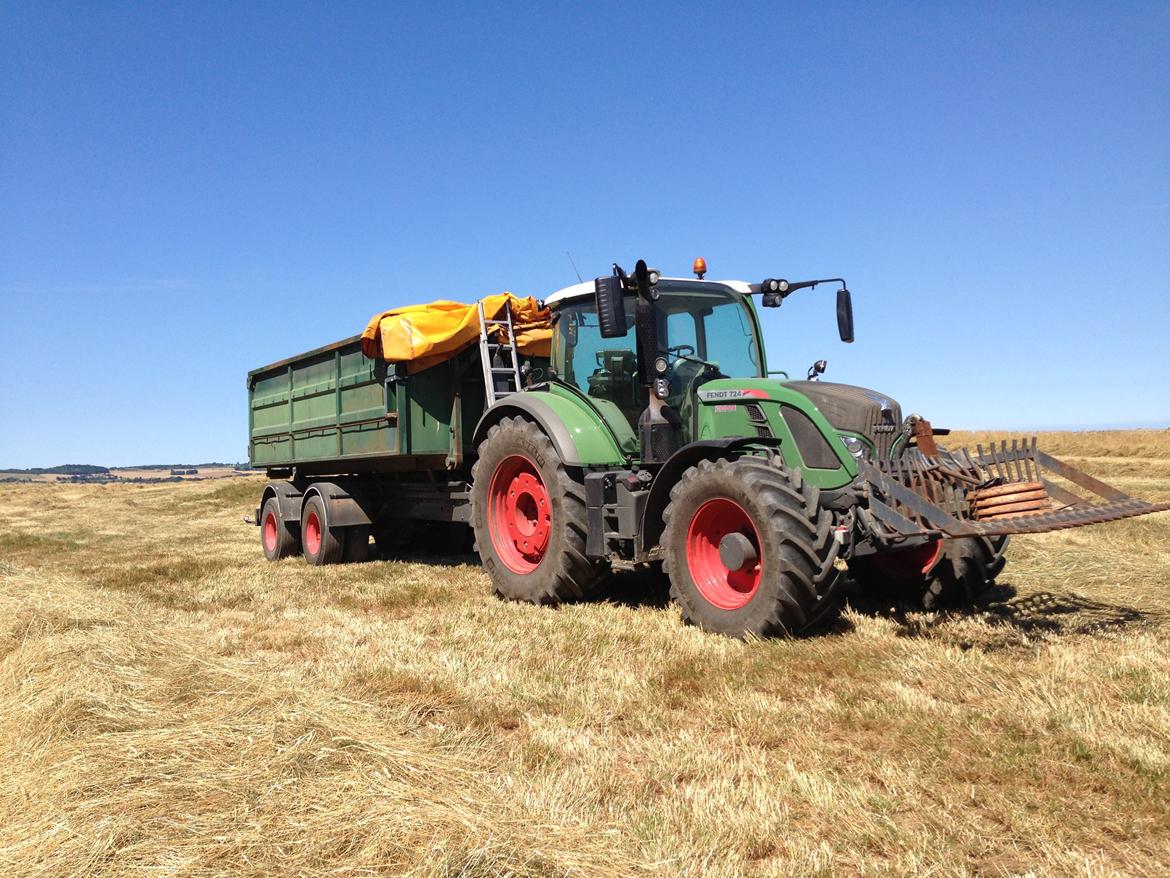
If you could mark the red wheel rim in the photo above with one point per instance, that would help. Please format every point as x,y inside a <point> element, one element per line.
<point>722,587</point>
<point>909,563</point>
<point>313,533</point>
<point>519,514</point>
<point>270,532</point>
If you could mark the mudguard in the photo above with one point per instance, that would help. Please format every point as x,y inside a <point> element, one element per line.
<point>288,502</point>
<point>675,466</point>
<point>342,509</point>
<point>581,436</point>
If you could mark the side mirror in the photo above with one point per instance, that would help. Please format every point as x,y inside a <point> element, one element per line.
<point>611,310</point>
<point>845,315</point>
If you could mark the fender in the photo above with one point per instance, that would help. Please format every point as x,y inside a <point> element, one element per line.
<point>288,502</point>
<point>573,428</point>
<point>342,509</point>
<point>676,465</point>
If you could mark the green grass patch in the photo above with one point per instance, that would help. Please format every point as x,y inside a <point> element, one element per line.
<point>241,492</point>
<point>17,542</point>
<point>173,584</point>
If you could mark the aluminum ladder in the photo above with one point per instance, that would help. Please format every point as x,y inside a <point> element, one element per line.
<point>498,379</point>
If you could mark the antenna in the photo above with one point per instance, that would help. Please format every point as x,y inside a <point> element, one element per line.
<point>574,264</point>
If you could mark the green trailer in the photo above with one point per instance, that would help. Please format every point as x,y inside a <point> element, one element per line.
<point>655,436</point>
<point>335,410</point>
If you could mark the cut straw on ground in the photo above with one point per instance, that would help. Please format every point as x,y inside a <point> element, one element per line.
<point>172,704</point>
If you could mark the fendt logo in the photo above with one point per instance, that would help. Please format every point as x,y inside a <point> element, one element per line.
<point>720,395</point>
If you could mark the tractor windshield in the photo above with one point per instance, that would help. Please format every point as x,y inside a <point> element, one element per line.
<point>695,322</point>
<point>714,323</point>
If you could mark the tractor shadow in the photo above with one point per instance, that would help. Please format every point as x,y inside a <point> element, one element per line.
<point>641,587</point>
<point>431,557</point>
<point>435,544</point>
<point>1008,618</point>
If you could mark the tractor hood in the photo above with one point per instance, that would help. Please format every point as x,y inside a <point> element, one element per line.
<point>856,410</point>
<point>848,409</point>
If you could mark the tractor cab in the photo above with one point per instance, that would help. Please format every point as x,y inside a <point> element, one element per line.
<point>703,330</point>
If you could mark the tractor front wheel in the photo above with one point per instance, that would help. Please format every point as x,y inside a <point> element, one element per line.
<point>946,573</point>
<point>748,550</point>
<point>528,514</point>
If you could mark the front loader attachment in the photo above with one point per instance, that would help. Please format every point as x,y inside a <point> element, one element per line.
<point>1006,490</point>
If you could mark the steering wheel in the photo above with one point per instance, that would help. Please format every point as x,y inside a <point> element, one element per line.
<point>681,350</point>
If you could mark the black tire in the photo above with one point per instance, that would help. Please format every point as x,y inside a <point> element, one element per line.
<point>794,571</point>
<point>277,537</point>
<point>965,567</point>
<point>320,543</point>
<point>357,545</point>
<point>560,571</point>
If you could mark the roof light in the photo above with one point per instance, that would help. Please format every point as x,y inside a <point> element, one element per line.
<point>700,267</point>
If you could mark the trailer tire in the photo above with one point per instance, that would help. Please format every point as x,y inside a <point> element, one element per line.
<point>322,544</point>
<point>357,544</point>
<point>528,515</point>
<point>961,569</point>
<point>276,537</point>
<point>786,552</point>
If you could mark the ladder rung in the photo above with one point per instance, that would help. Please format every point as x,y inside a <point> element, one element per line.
<point>508,376</point>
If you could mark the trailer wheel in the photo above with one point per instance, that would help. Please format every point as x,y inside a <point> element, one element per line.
<point>748,550</point>
<point>529,518</point>
<point>357,545</point>
<point>322,544</point>
<point>277,539</point>
<point>948,573</point>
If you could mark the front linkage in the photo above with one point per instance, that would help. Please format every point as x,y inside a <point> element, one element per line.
<point>932,493</point>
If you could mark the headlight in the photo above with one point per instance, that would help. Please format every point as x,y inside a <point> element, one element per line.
<point>854,446</point>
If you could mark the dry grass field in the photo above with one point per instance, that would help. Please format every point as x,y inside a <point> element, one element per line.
<point>171,704</point>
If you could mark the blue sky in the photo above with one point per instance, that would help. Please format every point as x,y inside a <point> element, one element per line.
<point>188,191</point>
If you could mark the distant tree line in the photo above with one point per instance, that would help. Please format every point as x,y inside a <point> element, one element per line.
<point>67,469</point>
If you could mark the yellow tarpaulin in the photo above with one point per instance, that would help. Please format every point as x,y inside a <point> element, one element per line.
<point>424,335</point>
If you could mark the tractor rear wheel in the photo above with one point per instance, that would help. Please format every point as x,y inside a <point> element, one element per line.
<point>947,573</point>
<point>748,549</point>
<point>529,518</point>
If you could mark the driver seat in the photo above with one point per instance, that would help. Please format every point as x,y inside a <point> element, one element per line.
<point>616,379</point>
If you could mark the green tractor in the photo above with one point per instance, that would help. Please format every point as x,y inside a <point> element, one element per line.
<point>655,435</point>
